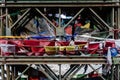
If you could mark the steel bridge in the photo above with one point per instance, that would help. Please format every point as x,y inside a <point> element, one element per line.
<point>95,8</point>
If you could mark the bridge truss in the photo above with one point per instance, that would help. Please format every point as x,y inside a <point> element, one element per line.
<point>33,8</point>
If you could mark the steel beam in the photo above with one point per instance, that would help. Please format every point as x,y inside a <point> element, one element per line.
<point>50,72</point>
<point>8,72</point>
<point>74,72</point>
<point>69,72</point>
<point>1,21</point>
<point>7,27</point>
<point>53,60</point>
<point>23,72</point>
<point>97,72</point>
<point>3,72</point>
<point>61,1</point>
<point>64,4</point>
<point>60,17</point>
<point>97,16</point>
<point>98,22</point>
<point>44,72</point>
<point>20,18</point>
<point>60,76</point>
<point>112,72</point>
<point>74,17</point>
<point>118,17</point>
<point>22,21</point>
<point>45,17</point>
<point>12,73</point>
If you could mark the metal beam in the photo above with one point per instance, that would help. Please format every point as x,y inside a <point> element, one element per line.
<point>74,17</point>
<point>45,17</point>
<point>97,72</point>
<point>50,72</point>
<point>44,72</point>
<point>12,72</point>
<point>61,4</point>
<point>23,72</point>
<point>99,22</point>
<point>53,60</point>
<point>118,17</point>
<point>112,72</point>
<point>8,72</point>
<point>74,72</point>
<point>3,72</point>
<point>60,17</point>
<point>7,27</point>
<point>97,16</point>
<point>22,21</point>
<point>116,23</point>
<point>60,76</point>
<point>61,1</point>
<point>118,71</point>
<point>1,21</point>
<point>69,72</point>
<point>20,18</point>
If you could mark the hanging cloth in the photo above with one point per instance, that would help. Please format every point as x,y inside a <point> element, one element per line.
<point>86,26</point>
<point>109,59</point>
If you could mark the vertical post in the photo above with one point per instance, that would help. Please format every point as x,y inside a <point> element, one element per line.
<point>6,17</point>
<point>116,20</point>
<point>113,21</point>
<point>59,17</point>
<point>118,75</point>
<point>116,24</point>
<point>112,72</point>
<point>1,22</point>
<point>59,27</point>
<point>118,17</point>
<point>60,76</point>
<point>15,72</point>
<point>8,30</point>
<point>113,16</point>
<point>13,77</point>
<point>3,72</point>
<point>8,72</point>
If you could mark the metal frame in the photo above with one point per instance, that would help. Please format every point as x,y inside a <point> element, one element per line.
<point>10,61</point>
<point>41,62</point>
